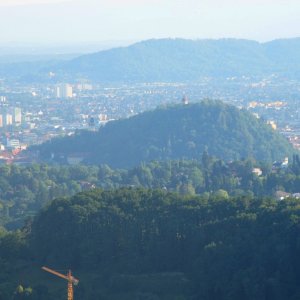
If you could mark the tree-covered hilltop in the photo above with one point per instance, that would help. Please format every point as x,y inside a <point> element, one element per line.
<point>151,244</point>
<point>181,60</point>
<point>174,132</point>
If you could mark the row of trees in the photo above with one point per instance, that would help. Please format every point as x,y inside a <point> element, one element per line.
<point>24,190</point>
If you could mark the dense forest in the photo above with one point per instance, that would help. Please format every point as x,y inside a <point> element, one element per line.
<point>174,132</point>
<point>151,244</point>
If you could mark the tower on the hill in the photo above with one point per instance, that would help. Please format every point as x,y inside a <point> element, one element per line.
<point>185,100</point>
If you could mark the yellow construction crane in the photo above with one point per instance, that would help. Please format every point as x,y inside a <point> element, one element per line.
<point>71,280</point>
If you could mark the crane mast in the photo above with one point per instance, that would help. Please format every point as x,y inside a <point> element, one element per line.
<point>70,291</point>
<point>71,280</point>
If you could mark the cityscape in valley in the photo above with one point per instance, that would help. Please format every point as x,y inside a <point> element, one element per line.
<point>35,113</point>
<point>149,150</point>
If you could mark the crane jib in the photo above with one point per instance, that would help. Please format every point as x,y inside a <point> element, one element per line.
<point>71,280</point>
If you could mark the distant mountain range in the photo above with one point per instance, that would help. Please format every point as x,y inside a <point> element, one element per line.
<point>183,60</point>
<point>171,60</point>
<point>175,132</point>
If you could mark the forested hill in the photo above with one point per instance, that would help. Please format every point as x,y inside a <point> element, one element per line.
<point>145,244</point>
<point>180,60</point>
<point>181,131</point>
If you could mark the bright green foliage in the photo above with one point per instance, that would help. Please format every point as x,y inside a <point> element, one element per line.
<point>25,190</point>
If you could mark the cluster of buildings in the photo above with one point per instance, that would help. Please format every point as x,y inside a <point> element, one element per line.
<point>11,120</point>
<point>283,116</point>
<point>65,90</point>
<point>275,104</point>
<point>10,116</point>
<point>34,113</point>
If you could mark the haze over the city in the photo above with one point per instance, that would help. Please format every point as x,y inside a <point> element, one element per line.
<point>79,21</point>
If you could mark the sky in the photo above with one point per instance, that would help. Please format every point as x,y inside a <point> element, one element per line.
<point>87,21</point>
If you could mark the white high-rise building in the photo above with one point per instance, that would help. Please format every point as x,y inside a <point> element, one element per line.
<point>64,91</point>
<point>17,116</point>
<point>8,119</point>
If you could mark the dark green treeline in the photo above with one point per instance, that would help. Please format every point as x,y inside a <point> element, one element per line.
<point>151,244</point>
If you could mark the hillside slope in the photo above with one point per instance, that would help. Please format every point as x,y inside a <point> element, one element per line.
<point>179,59</point>
<point>172,133</point>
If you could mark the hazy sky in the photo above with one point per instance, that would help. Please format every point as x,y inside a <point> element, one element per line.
<point>49,21</point>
